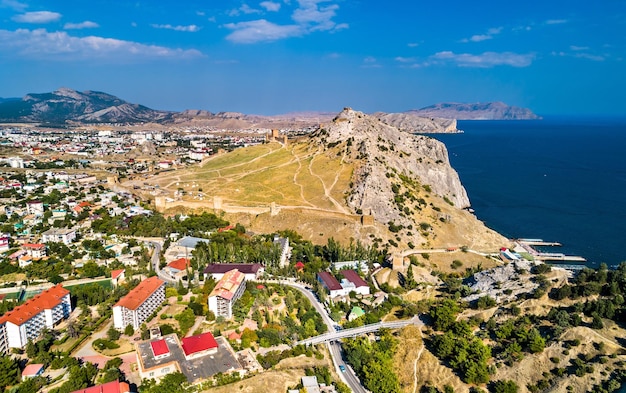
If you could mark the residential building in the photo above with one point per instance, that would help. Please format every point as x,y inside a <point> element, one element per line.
<point>360,265</point>
<point>331,284</point>
<point>26,322</point>
<point>135,308</point>
<point>5,239</point>
<point>360,286</point>
<point>4,340</point>
<point>59,235</point>
<point>228,289</point>
<point>32,371</point>
<point>252,271</point>
<point>178,267</point>
<point>35,250</point>
<point>117,276</point>
<point>35,207</point>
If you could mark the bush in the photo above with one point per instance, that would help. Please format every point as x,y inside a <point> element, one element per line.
<point>103,344</point>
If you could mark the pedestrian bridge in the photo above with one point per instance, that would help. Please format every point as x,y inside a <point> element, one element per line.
<point>353,332</point>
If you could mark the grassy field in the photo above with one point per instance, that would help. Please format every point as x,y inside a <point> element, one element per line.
<point>295,175</point>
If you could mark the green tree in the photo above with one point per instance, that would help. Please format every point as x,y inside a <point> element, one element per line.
<point>506,386</point>
<point>8,372</point>
<point>129,330</point>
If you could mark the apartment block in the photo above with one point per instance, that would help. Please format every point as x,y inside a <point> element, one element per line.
<point>226,292</point>
<point>135,308</point>
<point>26,322</point>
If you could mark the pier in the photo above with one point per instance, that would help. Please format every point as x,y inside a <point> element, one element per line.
<point>529,244</point>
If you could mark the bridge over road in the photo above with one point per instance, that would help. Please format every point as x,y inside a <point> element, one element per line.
<point>353,332</point>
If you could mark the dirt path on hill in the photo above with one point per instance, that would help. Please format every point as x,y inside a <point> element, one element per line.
<point>339,207</point>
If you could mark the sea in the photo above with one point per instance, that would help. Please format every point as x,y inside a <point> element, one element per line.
<point>557,179</point>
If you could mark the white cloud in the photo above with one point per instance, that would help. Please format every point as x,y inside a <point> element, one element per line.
<point>401,59</point>
<point>555,21</point>
<point>13,4</point>
<point>578,48</point>
<point>244,9</point>
<point>270,6</point>
<point>187,28</point>
<point>412,44</point>
<point>261,31</point>
<point>37,17</point>
<point>483,37</point>
<point>309,16</point>
<point>483,60</point>
<point>82,25</point>
<point>580,55</point>
<point>61,46</point>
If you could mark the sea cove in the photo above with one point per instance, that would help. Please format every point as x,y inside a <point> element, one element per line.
<point>558,179</point>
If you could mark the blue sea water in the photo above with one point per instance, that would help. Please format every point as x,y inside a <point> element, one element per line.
<point>556,179</point>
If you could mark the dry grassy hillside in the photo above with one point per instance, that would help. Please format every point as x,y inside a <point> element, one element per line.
<point>333,188</point>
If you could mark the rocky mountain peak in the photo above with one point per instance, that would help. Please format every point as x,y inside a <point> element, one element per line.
<point>387,160</point>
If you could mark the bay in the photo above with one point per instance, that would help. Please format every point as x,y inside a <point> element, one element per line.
<point>558,179</point>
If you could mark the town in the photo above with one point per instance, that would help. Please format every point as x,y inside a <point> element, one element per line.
<point>92,277</point>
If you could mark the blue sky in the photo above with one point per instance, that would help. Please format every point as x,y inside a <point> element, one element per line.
<point>279,56</point>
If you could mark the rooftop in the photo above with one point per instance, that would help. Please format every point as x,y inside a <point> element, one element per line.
<point>199,343</point>
<point>354,278</point>
<point>329,281</point>
<point>180,264</point>
<point>245,268</point>
<point>140,293</point>
<point>159,348</point>
<point>228,285</point>
<point>44,301</point>
<point>109,387</point>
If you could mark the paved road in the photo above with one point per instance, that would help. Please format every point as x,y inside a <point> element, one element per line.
<point>155,261</point>
<point>349,377</point>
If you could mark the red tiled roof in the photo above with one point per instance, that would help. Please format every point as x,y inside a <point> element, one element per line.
<point>159,347</point>
<point>116,273</point>
<point>329,281</point>
<point>137,296</point>
<point>199,343</point>
<point>180,264</point>
<point>109,387</point>
<point>34,245</point>
<point>84,204</point>
<point>46,300</point>
<point>299,265</point>
<point>228,285</point>
<point>245,268</point>
<point>354,278</point>
<point>32,370</point>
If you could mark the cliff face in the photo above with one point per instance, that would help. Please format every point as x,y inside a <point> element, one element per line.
<point>476,111</point>
<point>387,157</point>
<point>414,123</point>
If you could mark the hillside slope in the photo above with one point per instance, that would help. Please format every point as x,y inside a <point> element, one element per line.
<point>353,178</point>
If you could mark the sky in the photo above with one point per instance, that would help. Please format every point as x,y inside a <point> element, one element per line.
<point>280,56</point>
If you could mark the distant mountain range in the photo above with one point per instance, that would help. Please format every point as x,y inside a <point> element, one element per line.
<point>66,106</point>
<point>477,111</point>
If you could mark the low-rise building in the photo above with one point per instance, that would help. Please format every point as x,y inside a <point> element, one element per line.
<point>32,371</point>
<point>45,310</point>
<point>109,387</point>
<point>360,286</point>
<point>35,250</point>
<point>59,235</point>
<point>252,271</point>
<point>228,289</point>
<point>135,308</point>
<point>331,284</point>
<point>178,267</point>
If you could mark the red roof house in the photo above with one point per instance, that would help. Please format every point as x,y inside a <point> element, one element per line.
<point>160,349</point>
<point>32,370</point>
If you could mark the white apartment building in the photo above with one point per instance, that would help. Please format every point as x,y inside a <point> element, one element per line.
<point>135,308</point>
<point>226,292</point>
<point>26,322</point>
<point>59,235</point>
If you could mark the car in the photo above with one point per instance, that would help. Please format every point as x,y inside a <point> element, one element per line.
<point>342,368</point>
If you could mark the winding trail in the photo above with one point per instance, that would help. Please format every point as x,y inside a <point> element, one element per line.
<point>419,355</point>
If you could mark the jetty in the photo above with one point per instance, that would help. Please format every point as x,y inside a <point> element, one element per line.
<point>529,246</point>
